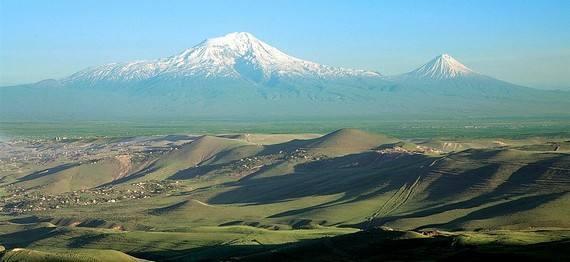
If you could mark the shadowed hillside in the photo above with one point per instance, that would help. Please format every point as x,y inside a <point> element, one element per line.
<point>250,194</point>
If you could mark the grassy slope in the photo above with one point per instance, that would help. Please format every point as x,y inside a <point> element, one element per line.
<point>157,245</point>
<point>380,245</point>
<point>66,256</point>
<point>324,244</point>
<point>475,188</point>
<point>347,141</point>
<point>513,187</point>
<point>205,150</point>
<point>76,176</point>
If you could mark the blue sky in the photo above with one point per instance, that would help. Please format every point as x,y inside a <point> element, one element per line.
<point>525,42</point>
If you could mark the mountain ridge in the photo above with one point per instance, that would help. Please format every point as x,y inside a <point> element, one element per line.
<point>238,75</point>
<point>230,55</point>
<point>234,55</point>
<point>242,56</point>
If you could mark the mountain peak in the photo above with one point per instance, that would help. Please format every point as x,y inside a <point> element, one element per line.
<point>235,38</point>
<point>443,66</point>
<point>235,55</point>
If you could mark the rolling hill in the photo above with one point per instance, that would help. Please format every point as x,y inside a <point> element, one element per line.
<point>240,197</point>
<point>311,182</point>
<point>80,175</point>
<point>345,141</point>
<point>84,255</point>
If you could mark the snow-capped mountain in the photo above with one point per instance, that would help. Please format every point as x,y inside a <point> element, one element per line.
<point>444,75</point>
<point>442,67</point>
<point>237,75</point>
<point>235,55</point>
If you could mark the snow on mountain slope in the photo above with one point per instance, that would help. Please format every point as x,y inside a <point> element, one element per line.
<point>235,55</point>
<point>446,76</point>
<point>442,67</point>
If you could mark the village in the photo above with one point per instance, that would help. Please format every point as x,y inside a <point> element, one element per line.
<point>19,201</point>
<point>18,154</point>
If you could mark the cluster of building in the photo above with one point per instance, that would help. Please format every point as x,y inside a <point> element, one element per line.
<point>19,201</point>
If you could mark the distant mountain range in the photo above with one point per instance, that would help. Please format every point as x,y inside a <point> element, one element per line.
<point>237,75</point>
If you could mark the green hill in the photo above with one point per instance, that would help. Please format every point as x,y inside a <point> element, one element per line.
<point>246,198</point>
<point>20,255</point>
<point>207,150</point>
<point>346,141</point>
<point>380,245</point>
<point>82,175</point>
